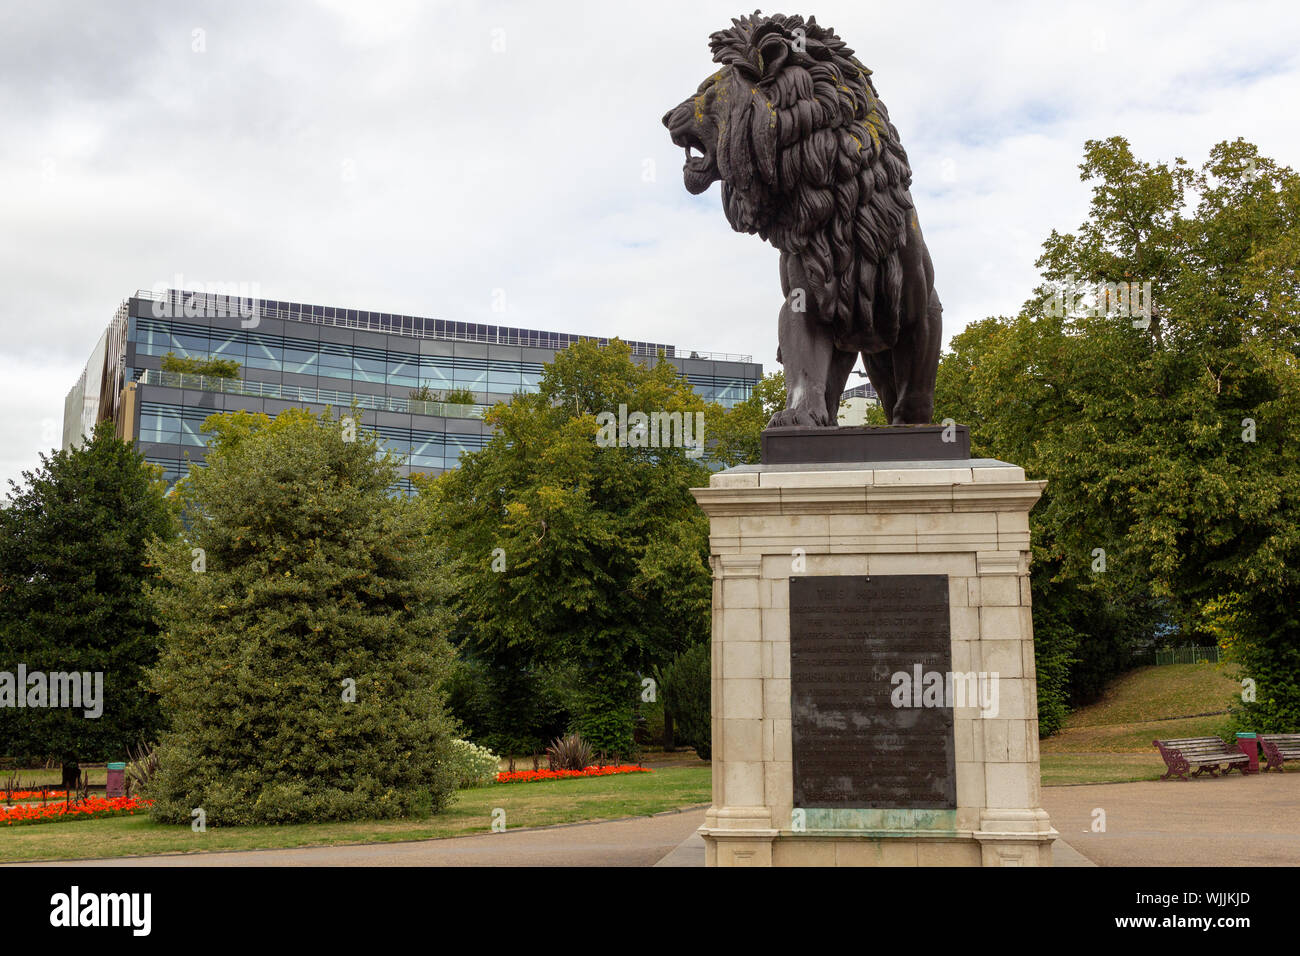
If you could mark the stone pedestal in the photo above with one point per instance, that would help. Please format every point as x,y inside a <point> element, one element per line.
<point>966,519</point>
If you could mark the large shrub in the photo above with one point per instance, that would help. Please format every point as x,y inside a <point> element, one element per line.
<point>304,650</point>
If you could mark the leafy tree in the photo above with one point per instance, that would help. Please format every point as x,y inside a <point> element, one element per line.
<point>569,553</point>
<point>1172,476</point>
<point>72,563</point>
<point>304,651</point>
<point>211,367</point>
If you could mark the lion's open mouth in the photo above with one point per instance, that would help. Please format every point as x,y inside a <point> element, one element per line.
<point>699,171</point>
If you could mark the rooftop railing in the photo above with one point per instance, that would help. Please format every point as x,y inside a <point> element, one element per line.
<point>319,396</point>
<point>204,304</point>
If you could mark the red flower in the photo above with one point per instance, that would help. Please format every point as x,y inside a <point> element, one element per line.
<point>530,776</point>
<point>92,807</point>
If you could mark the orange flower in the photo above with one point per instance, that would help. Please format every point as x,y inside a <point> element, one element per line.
<point>530,776</point>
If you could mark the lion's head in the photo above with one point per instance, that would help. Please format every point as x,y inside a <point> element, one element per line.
<point>808,160</point>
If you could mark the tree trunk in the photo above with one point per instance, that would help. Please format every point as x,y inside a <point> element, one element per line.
<point>668,732</point>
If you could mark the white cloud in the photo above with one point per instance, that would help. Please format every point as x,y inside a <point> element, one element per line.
<point>413,158</point>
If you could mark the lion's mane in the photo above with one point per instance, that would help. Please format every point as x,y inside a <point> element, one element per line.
<point>811,163</point>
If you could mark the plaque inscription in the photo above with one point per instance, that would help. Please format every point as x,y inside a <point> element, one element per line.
<point>860,740</point>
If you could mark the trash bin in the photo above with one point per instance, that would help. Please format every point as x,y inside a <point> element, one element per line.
<point>1249,745</point>
<point>116,779</point>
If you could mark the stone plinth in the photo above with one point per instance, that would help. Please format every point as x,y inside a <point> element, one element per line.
<point>966,519</point>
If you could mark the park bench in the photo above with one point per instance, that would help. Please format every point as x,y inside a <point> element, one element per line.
<point>1203,753</point>
<point>1278,748</point>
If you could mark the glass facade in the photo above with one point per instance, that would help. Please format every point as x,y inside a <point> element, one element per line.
<point>725,390</point>
<point>172,424</point>
<point>313,356</point>
<point>401,364</point>
<point>424,448</point>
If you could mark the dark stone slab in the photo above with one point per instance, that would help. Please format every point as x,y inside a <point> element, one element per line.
<point>853,748</point>
<point>799,444</point>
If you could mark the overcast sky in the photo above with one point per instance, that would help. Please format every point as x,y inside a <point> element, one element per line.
<point>418,157</point>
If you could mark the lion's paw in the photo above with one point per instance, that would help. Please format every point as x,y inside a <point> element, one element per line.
<point>797,416</point>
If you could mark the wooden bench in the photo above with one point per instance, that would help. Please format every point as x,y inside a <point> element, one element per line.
<point>1279,748</point>
<point>1203,753</point>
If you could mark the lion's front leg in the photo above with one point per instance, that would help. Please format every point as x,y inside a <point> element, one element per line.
<point>807,351</point>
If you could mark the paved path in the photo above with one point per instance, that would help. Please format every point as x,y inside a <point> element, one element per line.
<point>1229,821</point>
<point>668,840</point>
<point>1210,821</point>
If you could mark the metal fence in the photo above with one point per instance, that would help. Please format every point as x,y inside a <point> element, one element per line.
<point>207,304</point>
<point>1187,655</point>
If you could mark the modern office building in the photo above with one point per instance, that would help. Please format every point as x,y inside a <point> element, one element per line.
<point>855,402</point>
<point>308,356</point>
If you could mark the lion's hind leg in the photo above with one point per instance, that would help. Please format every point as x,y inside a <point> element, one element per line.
<point>880,371</point>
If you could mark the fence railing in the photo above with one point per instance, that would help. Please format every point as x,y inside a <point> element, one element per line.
<point>1187,655</point>
<point>319,396</point>
<point>207,304</point>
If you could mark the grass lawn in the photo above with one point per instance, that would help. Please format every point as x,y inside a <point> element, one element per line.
<point>1159,693</point>
<point>1059,770</point>
<point>98,776</point>
<point>1134,738</point>
<point>1110,741</point>
<point>526,805</point>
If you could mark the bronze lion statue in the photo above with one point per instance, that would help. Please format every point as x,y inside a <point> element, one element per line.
<point>809,160</point>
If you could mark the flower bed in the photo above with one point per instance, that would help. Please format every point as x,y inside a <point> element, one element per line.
<point>531,776</point>
<point>91,807</point>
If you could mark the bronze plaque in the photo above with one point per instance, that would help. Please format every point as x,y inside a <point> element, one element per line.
<point>861,651</point>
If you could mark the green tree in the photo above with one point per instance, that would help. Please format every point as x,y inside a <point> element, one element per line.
<point>304,651</point>
<point>569,553</point>
<point>1172,476</point>
<point>72,565</point>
